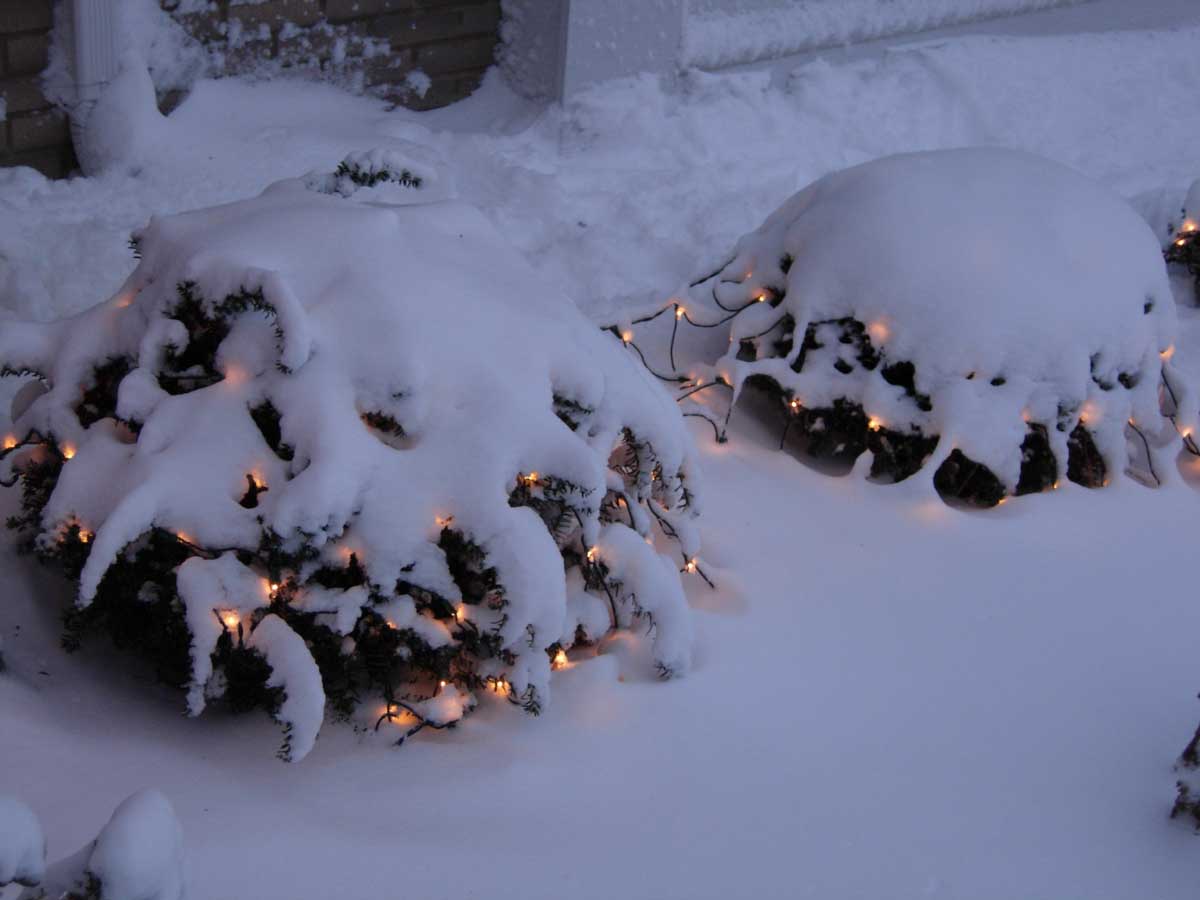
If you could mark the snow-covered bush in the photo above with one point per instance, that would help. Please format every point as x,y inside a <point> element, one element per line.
<point>335,443</point>
<point>138,855</point>
<point>22,845</point>
<point>988,316</point>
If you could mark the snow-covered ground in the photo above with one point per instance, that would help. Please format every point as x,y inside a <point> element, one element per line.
<point>890,698</point>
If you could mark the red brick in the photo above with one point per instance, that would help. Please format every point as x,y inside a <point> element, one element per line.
<point>27,54</point>
<point>275,12</point>
<point>206,26</point>
<point>56,162</point>
<point>340,10</point>
<point>35,131</point>
<point>22,95</point>
<point>455,55</point>
<point>25,15</point>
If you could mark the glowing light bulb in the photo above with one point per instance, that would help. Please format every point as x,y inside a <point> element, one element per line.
<point>1001,501</point>
<point>626,336</point>
<point>391,624</point>
<point>874,424</point>
<point>592,554</point>
<point>795,404</point>
<point>1189,226</point>
<point>10,441</point>
<point>68,451</point>
<point>274,587</point>
<point>560,658</point>
<point>763,297</point>
<point>460,613</point>
<point>84,536</point>
<point>878,332</point>
<point>1180,242</point>
<point>443,521</point>
<point>441,684</point>
<point>231,620</point>
<point>680,312</point>
<point>691,565</point>
<point>1025,415</point>
<point>531,478</point>
<point>1168,353</point>
<point>235,375</point>
<point>124,300</point>
<point>1187,432</point>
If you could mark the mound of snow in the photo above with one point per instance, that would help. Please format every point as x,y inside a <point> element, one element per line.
<point>326,421</point>
<point>978,295</point>
<point>22,844</point>
<point>139,854</point>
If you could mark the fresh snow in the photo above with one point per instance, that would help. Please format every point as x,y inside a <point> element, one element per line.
<point>888,698</point>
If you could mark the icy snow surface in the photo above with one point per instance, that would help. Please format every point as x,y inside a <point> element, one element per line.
<point>889,700</point>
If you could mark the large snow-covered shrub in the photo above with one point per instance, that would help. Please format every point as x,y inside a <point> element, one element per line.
<point>994,318</point>
<point>334,443</point>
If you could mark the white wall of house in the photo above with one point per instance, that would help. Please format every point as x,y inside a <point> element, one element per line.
<point>555,48</point>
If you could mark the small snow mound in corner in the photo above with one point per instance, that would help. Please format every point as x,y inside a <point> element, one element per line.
<point>22,844</point>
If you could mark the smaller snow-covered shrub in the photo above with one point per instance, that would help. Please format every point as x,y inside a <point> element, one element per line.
<point>333,445</point>
<point>1184,249</point>
<point>138,855</point>
<point>993,319</point>
<point>22,845</point>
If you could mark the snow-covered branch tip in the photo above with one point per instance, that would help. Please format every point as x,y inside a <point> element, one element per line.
<point>301,473</point>
<point>991,320</point>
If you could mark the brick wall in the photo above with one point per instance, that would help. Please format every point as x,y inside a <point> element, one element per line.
<point>34,133</point>
<point>374,45</point>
